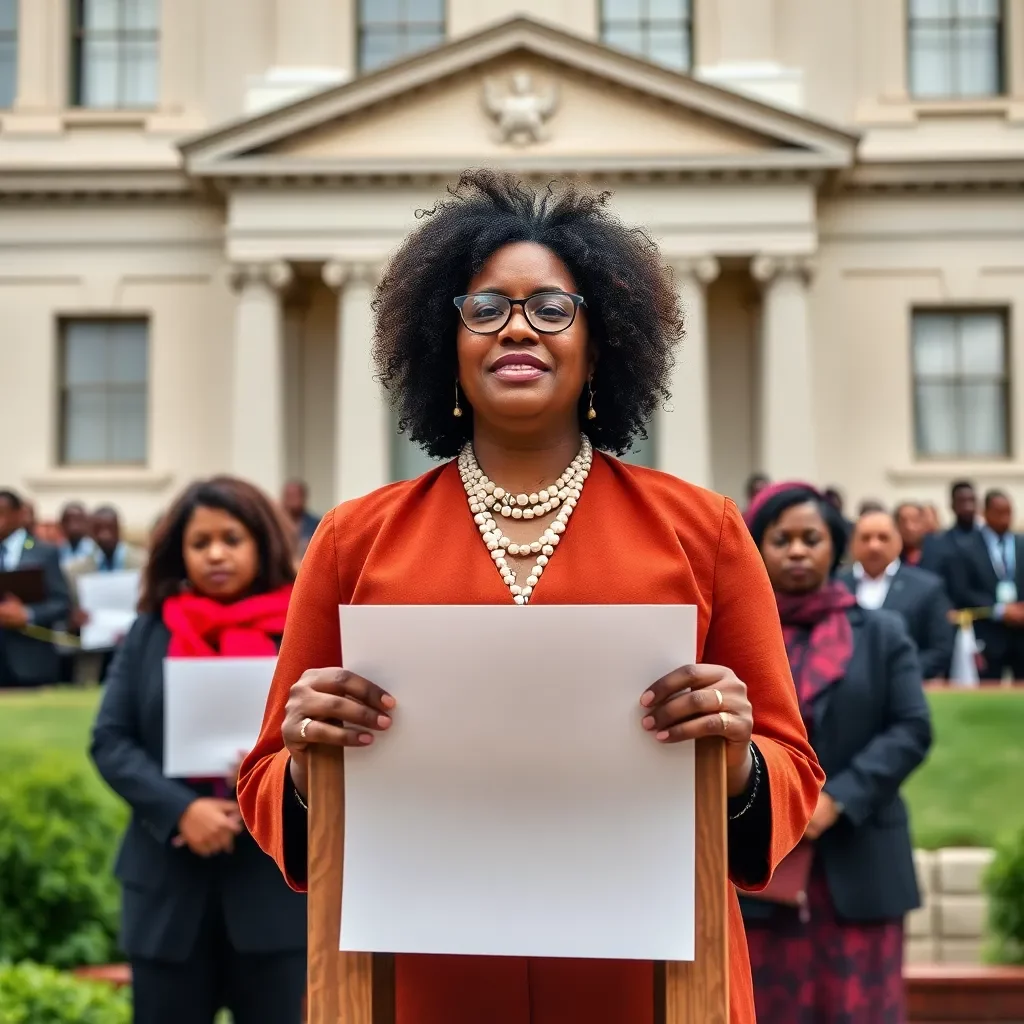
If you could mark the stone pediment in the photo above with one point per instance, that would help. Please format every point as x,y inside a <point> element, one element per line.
<point>521,95</point>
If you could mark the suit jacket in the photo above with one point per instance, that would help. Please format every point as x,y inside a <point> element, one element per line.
<point>979,575</point>
<point>941,554</point>
<point>29,661</point>
<point>167,890</point>
<point>134,559</point>
<point>919,598</point>
<point>870,730</point>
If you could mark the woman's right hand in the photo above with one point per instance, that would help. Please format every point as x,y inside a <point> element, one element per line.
<point>332,707</point>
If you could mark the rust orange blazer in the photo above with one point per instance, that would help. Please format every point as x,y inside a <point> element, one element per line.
<point>636,536</point>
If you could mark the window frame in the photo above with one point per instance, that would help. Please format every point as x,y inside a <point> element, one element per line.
<point>121,36</point>
<point>958,313</point>
<point>400,24</point>
<point>643,24</point>
<point>955,22</point>
<point>64,390</point>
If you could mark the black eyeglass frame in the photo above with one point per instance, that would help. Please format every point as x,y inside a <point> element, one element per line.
<point>577,301</point>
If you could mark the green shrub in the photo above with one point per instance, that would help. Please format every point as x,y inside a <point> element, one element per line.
<point>1004,883</point>
<point>59,903</point>
<point>33,994</point>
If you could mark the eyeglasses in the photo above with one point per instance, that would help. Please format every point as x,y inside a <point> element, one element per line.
<point>547,312</point>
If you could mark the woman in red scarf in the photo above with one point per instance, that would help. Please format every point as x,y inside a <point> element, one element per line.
<point>207,921</point>
<point>836,957</point>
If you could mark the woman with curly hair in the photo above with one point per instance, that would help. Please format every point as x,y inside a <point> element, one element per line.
<point>524,336</point>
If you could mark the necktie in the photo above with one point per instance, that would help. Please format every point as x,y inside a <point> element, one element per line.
<point>3,555</point>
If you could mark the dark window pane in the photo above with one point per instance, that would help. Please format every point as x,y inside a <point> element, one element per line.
<point>8,71</point>
<point>105,391</point>
<point>961,387</point>
<point>629,39</point>
<point>8,15</point>
<point>670,47</point>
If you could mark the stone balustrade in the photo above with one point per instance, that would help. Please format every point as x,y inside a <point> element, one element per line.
<point>949,928</point>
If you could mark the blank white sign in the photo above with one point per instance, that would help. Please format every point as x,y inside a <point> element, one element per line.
<point>213,708</point>
<point>516,807</point>
<point>110,599</point>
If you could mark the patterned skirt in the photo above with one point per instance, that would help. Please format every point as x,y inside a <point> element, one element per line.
<point>827,971</point>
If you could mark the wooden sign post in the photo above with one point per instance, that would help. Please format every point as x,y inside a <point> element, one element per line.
<point>358,988</point>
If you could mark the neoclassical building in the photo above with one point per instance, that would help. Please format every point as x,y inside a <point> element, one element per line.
<point>198,195</point>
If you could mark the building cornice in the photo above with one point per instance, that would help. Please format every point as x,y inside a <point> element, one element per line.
<point>102,183</point>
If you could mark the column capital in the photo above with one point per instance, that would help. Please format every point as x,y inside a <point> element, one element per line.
<point>336,274</point>
<point>699,269</point>
<point>766,269</point>
<point>275,274</point>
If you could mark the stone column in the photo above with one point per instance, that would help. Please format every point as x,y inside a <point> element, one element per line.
<point>362,427</point>
<point>683,435</point>
<point>787,382</point>
<point>257,408</point>
<point>40,43</point>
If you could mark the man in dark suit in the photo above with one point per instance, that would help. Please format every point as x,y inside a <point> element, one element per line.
<point>25,661</point>
<point>880,579</point>
<point>939,551</point>
<point>991,565</point>
<point>294,501</point>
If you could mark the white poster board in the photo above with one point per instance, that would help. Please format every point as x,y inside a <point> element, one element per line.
<point>516,807</point>
<point>110,600</point>
<point>213,709</point>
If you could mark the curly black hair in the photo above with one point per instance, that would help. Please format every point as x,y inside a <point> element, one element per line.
<point>633,312</point>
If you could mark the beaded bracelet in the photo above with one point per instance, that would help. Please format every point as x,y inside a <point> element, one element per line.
<point>754,786</point>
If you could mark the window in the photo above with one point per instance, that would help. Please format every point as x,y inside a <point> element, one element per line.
<point>104,393</point>
<point>8,51</point>
<point>116,51</point>
<point>955,48</point>
<point>961,385</point>
<point>660,30</point>
<point>391,29</point>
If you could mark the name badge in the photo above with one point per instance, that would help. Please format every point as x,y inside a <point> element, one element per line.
<point>1006,592</point>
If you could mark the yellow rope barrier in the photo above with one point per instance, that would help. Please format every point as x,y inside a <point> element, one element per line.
<point>51,636</point>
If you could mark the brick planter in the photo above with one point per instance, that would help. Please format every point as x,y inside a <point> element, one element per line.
<point>949,994</point>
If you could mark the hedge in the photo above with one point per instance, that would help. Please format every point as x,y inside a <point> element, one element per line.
<point>33,994</point>
<point>59,902</point>
<point>1004,883</point>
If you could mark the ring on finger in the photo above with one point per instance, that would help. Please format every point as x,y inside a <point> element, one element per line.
<point>725,721</point>
<point>721,699</point>
<point>304,726</point>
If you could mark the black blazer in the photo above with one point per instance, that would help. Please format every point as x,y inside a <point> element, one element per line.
<point>167,890</point>
<point>979,575</point>
<point>34,662</point>
<point>870,730</point>
<point>919,598</point>
<point>942,554</point>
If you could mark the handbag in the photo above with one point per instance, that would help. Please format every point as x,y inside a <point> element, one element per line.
<point>789,883</point>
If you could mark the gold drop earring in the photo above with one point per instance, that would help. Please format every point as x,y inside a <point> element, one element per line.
<point>591,411</point>
<point>457,411</point>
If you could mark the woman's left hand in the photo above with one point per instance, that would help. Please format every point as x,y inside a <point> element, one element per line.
<point>704,700</point>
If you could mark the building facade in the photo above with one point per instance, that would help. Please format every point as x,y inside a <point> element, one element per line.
<point>198,196</point>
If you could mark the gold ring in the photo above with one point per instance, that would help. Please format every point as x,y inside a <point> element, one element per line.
<point>302,728</point>
<point>725,721</point>
<point>721,699</point>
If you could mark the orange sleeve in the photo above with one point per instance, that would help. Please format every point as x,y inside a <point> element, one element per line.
<point>744,634</point>
<point>312,639</point>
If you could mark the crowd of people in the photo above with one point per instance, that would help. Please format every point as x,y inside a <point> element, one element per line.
<point>940,580</point>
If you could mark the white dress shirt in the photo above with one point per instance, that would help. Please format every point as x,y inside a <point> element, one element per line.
<point>12,549</point>
<point>871,593</point>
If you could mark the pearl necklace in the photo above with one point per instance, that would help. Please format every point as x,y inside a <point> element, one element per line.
<point>485,497</point>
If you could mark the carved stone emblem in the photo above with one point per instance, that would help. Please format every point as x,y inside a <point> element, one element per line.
<point>520,111</point>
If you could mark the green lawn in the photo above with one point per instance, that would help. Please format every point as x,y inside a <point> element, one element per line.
<point>967,793</point>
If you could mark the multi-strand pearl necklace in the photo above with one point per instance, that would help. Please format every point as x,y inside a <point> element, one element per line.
<point>487,502</point>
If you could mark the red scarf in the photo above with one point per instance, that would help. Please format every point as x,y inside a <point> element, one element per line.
<point>203,628</point>
<point>819,640</point>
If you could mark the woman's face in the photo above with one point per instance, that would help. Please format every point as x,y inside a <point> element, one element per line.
<point>797,550</point>
<point>221,556</point>
<point>521,380</point>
